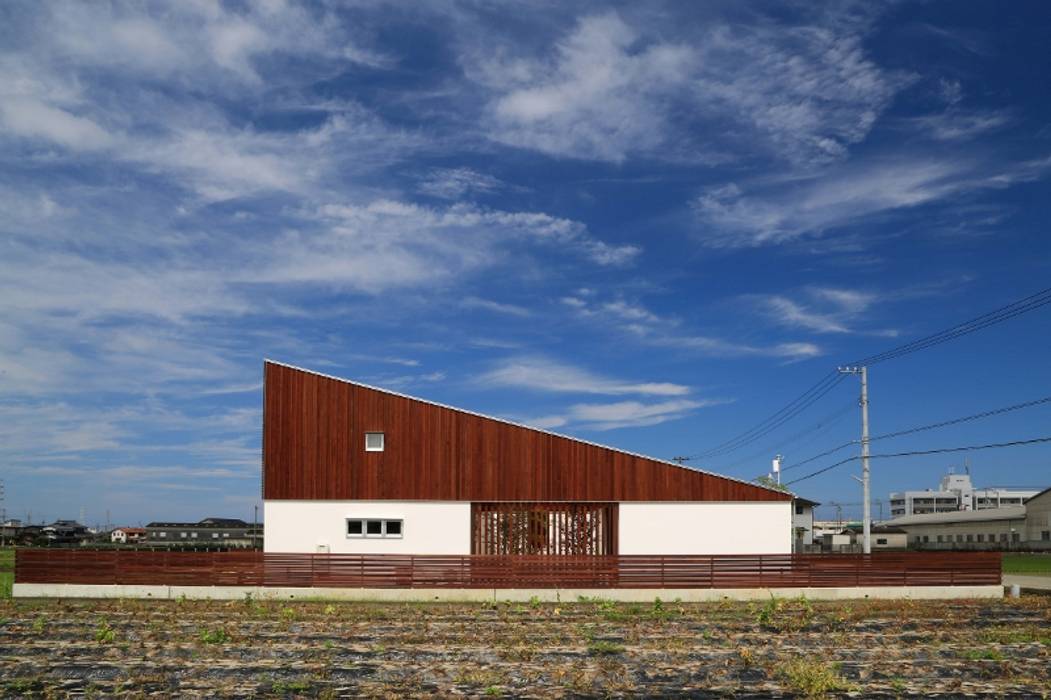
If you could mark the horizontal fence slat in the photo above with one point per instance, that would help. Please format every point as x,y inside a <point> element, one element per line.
<point>249,568</point>
<point>252,568</point>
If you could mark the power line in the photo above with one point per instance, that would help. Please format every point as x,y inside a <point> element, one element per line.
<point>913,453</point>
<point>931,426</point>
<point>793,409</point>
<point>825,422</point>
<point>814,393</point>
<point>1004,313</point>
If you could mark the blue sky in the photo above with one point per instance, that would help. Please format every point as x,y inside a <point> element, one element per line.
<point>645,225</point>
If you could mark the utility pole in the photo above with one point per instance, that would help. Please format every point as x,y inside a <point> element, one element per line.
<point>681,459</point>
<point>776,466</point>
<point>866,520</point>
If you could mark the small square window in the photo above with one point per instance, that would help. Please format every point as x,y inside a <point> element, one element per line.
<point>355,528</point>
<point>164,534</point>
<point>374,442</point>
<point>374,527</point>
<point>393,528</point>
<point>215,535</point>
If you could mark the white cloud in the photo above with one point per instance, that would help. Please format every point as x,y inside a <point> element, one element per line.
<point>956,125</point>
<point>825,310</point>
<point>599,96</point>
<point>610,89</point>
<point>30,118</point>
<point>621,414</point>
<point>458,183</point>
<point>541,374</point>
<point>845,195</point>
<point>389,244</point>
<point>651,329</point>
<point>497,307</point>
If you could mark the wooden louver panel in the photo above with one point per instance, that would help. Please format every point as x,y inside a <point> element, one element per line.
<point>314,448</point>
<point>547,529</point>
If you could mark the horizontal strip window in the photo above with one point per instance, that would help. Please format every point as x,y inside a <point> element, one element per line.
<point>362,527</point>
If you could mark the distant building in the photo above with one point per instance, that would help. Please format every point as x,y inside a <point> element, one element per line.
<point>65,532</point>
<point>128,535</point>
<point>803,524</point>
<point>881,536</point>
<point>232,532</point>
<point>955,493</point>
<point>1026,526</point>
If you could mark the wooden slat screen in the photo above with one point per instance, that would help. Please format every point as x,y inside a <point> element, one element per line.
<point>525,571</point>
<point>544,529</point>
<point>314,448</point>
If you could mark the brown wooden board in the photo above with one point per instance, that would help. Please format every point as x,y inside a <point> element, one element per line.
<point>252,568</point>
<point>314,448</point>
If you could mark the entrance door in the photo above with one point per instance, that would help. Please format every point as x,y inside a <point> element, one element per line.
<point>556,529</point>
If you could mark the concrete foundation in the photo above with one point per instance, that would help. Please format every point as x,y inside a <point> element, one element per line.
<point>633,595</point>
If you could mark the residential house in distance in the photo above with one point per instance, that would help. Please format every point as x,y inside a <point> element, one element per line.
<point>1026,526</point>
<point>128,535</point>
<point>955,493</point>
<point>65,532</point>
<point>351,468</point>
<point>803,524</point>
<point>226,532</point>
<point>881,537</point>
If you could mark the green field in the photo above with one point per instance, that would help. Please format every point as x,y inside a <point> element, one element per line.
<point>1031,564</point>
<point>7,571</point>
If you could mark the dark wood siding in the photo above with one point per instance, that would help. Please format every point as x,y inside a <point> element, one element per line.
<point>314,448</point>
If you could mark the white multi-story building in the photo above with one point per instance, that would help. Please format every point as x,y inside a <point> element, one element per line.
<point>956,493</point>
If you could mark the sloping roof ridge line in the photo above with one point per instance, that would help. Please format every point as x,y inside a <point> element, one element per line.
<point>521,425</point>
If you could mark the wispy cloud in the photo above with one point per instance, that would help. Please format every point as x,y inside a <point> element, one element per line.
<point>732,217</point>
<point>826,310</point>
<point>459,183</point>
<point>621,414</point>
<point>542,374</point>
<point>496,307</point>
<point>607,89</point>
<point>649,328</point>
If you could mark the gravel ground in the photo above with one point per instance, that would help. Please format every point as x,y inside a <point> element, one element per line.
<point>590,648</point>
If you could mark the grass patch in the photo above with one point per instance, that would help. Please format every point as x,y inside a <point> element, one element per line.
<point>1031,564</point>
<point>216,636</point>
<point>7,571</point>
<point>812,679</point>
<point>602,647</point>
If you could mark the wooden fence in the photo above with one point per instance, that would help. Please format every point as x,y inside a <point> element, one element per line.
<point>253,568</point>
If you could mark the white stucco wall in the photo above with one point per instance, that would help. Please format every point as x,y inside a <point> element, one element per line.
<point>706,528</point>
<point>443,527</point>
<point>430,527</point>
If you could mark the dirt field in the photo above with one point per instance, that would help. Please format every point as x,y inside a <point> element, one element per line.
<point>593,648</point>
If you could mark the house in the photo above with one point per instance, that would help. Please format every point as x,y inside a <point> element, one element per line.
<point>355,469</point>
<point>128,535</point>
<point>65,532</point>
<point>225,532</point>
<point>803,524</point>
<point>881,536</point>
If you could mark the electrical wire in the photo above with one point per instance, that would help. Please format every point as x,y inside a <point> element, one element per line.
<point>809,398</point>
<point>914,453</point>
<point>931,426</point>
<point>825,422</point>
<point>1004,313</point>
<point>823,386</point>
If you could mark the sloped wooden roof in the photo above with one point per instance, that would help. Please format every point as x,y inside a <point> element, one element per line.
<point>314,448</point>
